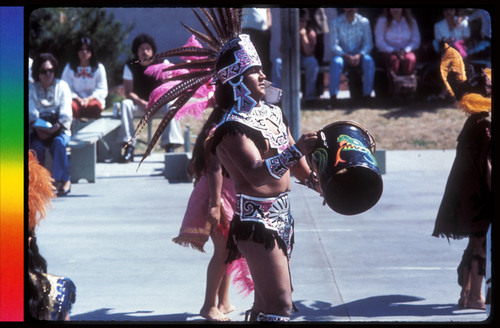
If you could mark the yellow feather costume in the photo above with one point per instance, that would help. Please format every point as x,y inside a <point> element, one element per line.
<point>470,103</point>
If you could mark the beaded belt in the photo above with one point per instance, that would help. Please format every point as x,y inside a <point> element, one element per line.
<point>273,212</point>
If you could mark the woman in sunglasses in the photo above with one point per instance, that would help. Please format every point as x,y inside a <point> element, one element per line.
<point>50,118</point>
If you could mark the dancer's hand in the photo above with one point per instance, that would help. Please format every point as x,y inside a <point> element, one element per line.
<point>307,142</point>
<point>213,217</point>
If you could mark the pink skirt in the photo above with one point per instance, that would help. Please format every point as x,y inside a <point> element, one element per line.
<point>195,228</point>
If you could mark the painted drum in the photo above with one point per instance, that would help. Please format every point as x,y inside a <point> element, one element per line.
<point>346,167</point>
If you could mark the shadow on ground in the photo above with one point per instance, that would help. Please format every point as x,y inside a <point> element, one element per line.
<point>371,307</point>
<point>105,315</point>
<point>375,307</point>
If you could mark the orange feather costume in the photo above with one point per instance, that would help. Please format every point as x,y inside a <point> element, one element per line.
<point>50,296</point>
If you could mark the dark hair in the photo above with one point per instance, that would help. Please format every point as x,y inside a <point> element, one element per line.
<point>198,163</point>
<point>303,14</point>
<point>140,39</point>
<point>406,14</point>
<point>75,60</point>
<point>224,95</point>
<point>39,60</point>
<point>38,300</point>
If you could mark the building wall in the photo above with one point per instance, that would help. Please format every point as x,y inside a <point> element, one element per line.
<point>163,24</point>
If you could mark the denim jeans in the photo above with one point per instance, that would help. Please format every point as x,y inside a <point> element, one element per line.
<point>337,67</point>
<point>311,67</point>
<point>57,149</point>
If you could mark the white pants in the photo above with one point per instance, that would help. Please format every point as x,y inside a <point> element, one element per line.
<point>171,135</point>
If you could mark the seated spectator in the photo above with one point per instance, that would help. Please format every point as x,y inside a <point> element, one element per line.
<point>485,18</point>
<point>308,62</point>
<point>453,30</point>
<point>479,46</point>
<point>50,297</point>
<point>138,86</point>
<point>319,23</point>
<point>86,78</point>
<point>257,22</point>
<point>396,38</point>
<point>351,43</point>
<point>50,118</point>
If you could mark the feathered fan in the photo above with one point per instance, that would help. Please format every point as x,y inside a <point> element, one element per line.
<point>226,25</point>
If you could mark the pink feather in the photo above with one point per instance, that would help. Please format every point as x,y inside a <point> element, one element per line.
<point>156,70</point>
<point>242,278</point>
<point>160,91</point>
<point>192,42</point>
<point>200,100</point>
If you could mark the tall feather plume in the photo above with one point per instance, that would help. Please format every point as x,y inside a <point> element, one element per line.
<point>173,93</point>
<point>176,106</point>
<point>207,29</point>
<point>234,22</point>
<point>170,95</point>
<point>220,28</point>
<point>181,51</point>
<point>163,124</point>
<point>202,37</point>
<point>227,22</point>
<point>213,23</point>
<point>226,35</point>
<point>195,64</point>
<point>187,76</point>
<point>239,14</point>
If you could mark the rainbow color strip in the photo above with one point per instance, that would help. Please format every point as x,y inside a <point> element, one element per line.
<point>11,164</point>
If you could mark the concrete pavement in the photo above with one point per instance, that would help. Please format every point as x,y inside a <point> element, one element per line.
<point>113,239</point>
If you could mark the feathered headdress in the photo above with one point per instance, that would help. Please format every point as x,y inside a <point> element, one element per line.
<point>472,90</point>
<point>221,38</point>
<point>40,191</point>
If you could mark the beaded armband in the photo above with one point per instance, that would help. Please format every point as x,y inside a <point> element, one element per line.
<point>278,165</point>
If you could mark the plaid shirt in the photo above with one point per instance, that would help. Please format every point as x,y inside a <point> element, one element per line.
<point>351,38</point>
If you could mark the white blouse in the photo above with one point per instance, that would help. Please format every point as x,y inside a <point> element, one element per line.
<point>57,98</point>
<point>397,36</point>
<point>85,83</point>
<point>460,32</point>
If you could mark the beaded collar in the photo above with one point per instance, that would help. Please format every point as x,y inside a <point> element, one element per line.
<point>259,119</point>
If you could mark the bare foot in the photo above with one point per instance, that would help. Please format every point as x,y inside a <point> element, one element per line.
<point>476,304</point>
<point>225,309</point>
<point>462,301</point>
<point>213,314</point>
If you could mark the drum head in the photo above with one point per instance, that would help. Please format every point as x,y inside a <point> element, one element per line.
<point>353,190</point>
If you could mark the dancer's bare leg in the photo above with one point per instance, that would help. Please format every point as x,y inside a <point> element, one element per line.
<point>269,269</point>
<point>215,272</point>
<point>464,293</point>
<point>225,305</point>
<point>476,300</point>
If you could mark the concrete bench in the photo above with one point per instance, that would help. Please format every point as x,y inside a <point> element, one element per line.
<point>380,158</point>
<point>84,151</point>
<point>140,115</point>
<point>176,164</point>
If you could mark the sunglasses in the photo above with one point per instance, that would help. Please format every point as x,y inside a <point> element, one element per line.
<point>46,71</point>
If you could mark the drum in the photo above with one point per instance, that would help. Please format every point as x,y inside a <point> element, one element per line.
<point>345,164</point>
